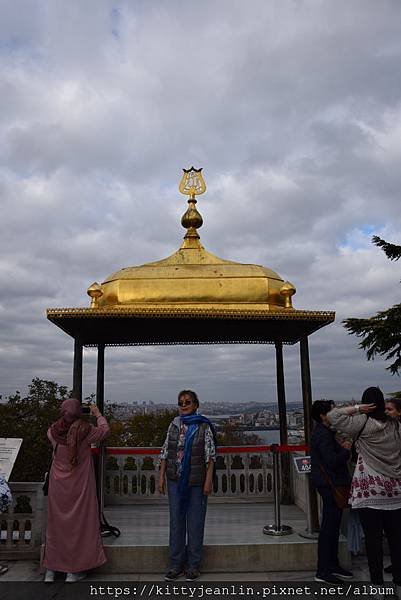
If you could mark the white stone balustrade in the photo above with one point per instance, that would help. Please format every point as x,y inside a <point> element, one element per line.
<point>244,473</point>
<point>21,525</point>
<point>132,475</point>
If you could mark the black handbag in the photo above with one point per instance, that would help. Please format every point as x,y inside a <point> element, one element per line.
<point>340,493</point>
<point>45,486</point>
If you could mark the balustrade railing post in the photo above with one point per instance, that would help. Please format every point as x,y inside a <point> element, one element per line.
<point>276,528</point>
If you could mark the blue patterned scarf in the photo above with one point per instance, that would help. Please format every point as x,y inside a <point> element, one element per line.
<point>193,422</point>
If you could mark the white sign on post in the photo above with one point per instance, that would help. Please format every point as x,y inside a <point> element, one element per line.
<point>9,448</point>
<point>303,464</point>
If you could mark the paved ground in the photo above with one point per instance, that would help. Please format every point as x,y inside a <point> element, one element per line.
<point>28,570</point>
<point>226,523</point>
<point>239,522</point>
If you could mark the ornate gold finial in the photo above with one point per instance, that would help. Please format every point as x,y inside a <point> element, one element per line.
<point>192,184</point>
<point>95,292</point>
<point>287,290</point>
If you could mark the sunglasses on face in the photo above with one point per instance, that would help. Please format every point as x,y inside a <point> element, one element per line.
<point>184,402</point>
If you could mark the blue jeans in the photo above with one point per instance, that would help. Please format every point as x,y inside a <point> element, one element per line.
<point>186,530</point>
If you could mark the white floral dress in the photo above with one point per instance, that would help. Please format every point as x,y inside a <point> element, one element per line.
<point>370,489</point>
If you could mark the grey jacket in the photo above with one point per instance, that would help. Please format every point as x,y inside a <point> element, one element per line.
<point>379,443</point>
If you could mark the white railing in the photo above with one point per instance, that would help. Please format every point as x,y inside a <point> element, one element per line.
<point>241,472</point>
<point>21,524</point>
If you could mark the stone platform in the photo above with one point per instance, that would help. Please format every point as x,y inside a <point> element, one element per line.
<point>234,540</point>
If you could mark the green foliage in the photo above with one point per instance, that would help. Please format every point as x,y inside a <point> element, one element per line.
<point>230,435</point>
<point>146,430</point>
<point>381,333</point>
<point>29,418</point>
<point>149,429</point>
<point>117,435</point>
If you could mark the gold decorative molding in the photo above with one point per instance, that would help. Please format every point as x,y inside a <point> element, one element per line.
<point>188,313</point>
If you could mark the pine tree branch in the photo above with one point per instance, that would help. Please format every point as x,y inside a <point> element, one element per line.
<point>392,251</point>
<point>381,335</point>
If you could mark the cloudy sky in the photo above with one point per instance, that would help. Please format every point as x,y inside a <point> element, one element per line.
<point>293,109</point>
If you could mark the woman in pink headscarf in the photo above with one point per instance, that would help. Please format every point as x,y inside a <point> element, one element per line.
<point>73,543</point>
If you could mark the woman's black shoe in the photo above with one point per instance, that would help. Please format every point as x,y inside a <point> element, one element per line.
<point>173,574</point>
<point>192,574</point>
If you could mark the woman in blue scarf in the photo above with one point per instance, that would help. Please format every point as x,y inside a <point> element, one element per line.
<point>187,461</point>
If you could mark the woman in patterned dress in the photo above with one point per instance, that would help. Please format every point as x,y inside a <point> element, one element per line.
<point>376,483</point>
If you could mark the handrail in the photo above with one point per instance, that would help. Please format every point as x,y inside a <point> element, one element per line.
<point>221,450</point>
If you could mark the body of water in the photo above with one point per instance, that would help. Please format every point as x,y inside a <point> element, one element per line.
<point>269,437</point>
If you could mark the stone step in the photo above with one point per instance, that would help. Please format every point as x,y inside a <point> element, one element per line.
<point>282,554</point>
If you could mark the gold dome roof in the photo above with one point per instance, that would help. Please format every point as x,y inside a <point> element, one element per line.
<point>192,277</point>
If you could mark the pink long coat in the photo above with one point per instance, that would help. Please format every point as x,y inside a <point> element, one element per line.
<point>73,541</point>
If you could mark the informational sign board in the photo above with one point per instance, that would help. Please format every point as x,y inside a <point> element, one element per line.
<point>302,464</point>
<point>9,448</point>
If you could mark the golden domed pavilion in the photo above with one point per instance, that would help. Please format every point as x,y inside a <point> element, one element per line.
<point>194,297</point>
<point>225,300</point>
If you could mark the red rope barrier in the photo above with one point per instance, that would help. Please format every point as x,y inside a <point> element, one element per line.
<point>220,450</point>
<point>293,448</point>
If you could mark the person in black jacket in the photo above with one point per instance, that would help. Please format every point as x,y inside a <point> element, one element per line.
<point>328,460</point>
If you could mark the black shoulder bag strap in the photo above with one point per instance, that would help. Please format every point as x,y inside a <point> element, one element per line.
<point>354,454</point>
<point>45,486</point>
<point>107,529</point>
<point>361,429</point>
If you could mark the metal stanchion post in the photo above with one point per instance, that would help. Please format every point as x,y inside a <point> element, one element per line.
<point>277,528</point>
<point>312,528</point>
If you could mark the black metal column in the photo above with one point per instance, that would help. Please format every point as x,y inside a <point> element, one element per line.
<point>282,411</point>
<point>100,378</point>
<point>100,405</point>
<point>77,370</point>
<point>313,519</point>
